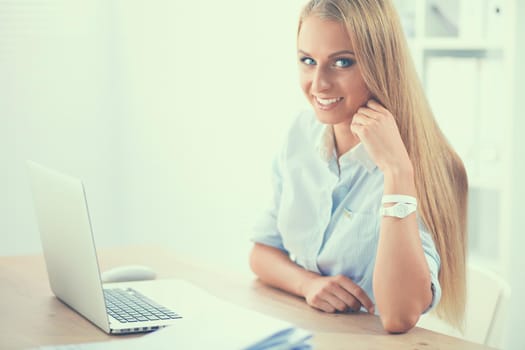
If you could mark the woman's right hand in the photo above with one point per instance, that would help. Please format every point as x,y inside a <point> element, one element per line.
<point>335,293</point>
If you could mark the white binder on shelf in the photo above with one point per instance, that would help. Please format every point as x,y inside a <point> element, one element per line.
<point>452,86</point>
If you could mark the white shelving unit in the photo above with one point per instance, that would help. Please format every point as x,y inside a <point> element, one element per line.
<point>463,51</point>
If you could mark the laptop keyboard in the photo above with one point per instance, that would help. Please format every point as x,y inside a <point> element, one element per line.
<point>128,305</point>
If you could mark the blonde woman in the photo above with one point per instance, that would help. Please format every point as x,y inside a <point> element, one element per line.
<point>369,209</point>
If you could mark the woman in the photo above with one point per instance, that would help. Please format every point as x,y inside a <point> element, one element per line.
<point>370,199</point>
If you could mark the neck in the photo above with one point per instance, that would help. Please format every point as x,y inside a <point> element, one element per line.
<point>344,139</point>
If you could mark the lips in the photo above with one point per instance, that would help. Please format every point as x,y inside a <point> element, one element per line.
<point>327,103</point>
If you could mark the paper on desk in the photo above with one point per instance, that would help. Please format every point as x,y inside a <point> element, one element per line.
<point>223,326</point>
<point>239,329</point>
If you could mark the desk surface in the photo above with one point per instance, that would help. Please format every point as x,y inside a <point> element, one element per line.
<point>32,316</point>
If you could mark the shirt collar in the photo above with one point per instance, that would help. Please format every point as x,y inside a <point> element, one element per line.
<point>326,148</point>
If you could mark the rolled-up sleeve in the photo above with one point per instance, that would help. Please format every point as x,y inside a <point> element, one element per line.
<point>434,264</point>
<point>265,230</point>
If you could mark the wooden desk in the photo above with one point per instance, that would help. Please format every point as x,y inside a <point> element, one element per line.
<point>32,316</point>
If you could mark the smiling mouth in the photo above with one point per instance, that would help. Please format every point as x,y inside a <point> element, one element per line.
<point>327,103</point>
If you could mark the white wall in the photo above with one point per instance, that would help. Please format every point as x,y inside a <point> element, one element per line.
<point>515,336</point>
<point>209,93</point>
<point>57,107</point>
<point>170,111</point>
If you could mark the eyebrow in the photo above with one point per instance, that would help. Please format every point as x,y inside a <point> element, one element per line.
<point>338,53</point>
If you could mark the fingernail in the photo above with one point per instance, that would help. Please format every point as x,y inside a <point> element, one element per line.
<point>371,310</point>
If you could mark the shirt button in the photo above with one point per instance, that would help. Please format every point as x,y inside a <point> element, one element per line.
<point>348,213</point>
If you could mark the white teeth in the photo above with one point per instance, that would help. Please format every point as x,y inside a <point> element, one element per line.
<point>326,102</point>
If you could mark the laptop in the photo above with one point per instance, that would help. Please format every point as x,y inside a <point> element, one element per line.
<point>72,265</point>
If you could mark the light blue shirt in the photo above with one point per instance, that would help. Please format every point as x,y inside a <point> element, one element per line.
<point>325,213</point>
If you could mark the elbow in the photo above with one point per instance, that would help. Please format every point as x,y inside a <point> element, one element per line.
<point>400,309</point>
<point>401,317</point>
<point>399,323</point>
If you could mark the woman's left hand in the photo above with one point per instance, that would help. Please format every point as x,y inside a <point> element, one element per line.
<point>377,129</point>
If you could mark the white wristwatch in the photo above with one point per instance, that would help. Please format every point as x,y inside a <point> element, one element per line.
<point>400,210</point>
<point>405,205</point>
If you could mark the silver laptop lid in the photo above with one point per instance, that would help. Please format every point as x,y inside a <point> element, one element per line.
<point>67,242</point>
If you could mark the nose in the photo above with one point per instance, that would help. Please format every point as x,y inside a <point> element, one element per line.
<point>320,80</point>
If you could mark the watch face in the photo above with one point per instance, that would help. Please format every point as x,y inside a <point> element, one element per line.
<point>401,210</point>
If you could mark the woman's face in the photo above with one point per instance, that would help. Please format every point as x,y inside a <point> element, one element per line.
<point>329,74</point>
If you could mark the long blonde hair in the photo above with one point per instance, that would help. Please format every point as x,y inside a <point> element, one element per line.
<point>440,178</point>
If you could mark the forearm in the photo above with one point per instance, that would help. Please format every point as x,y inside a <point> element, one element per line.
<point>401,276</point>
<point>275,268</point>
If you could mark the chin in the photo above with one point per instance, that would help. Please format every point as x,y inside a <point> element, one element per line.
<point>330,118</point>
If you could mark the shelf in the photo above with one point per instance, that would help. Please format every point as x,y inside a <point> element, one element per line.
<point>460,44</point>
<point>447,44</point>
<point>466,68</point>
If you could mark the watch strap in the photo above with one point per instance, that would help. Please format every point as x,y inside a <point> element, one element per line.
<point>398,198</point>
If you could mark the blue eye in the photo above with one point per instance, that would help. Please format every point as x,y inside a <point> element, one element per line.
<point>308,61</point>
<point>344,62</point>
